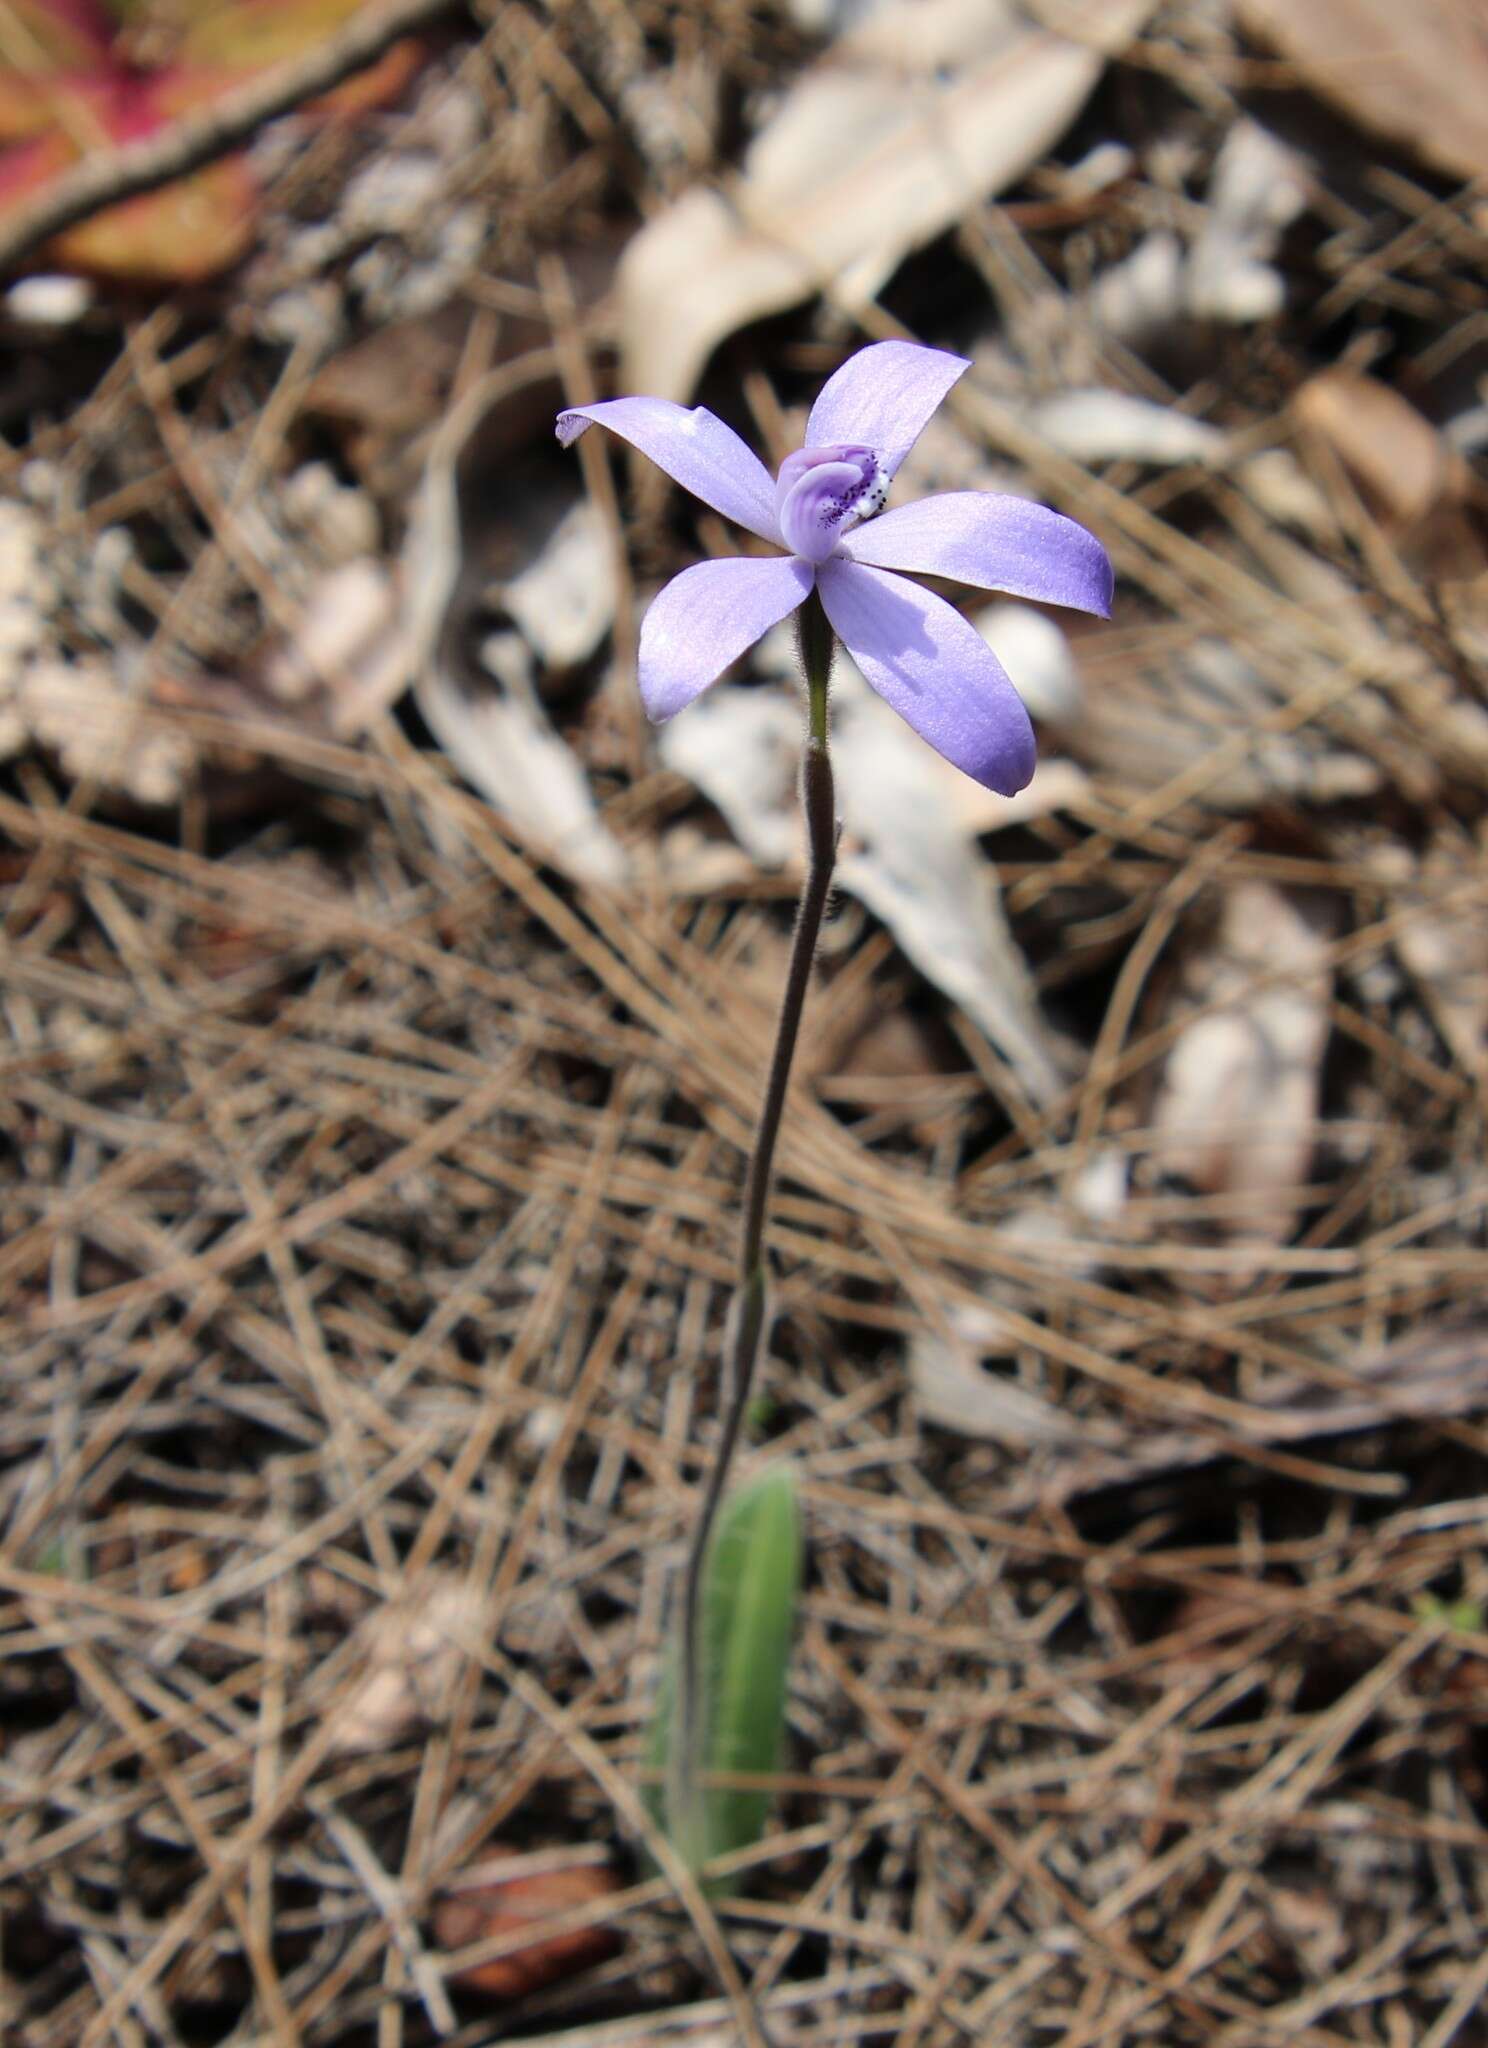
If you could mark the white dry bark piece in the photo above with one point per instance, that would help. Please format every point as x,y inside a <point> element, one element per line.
<point>908,851</point>
<point>414,1655</point>
<point>338,521</point>
<point>80,711</point>
<point>86,715</point>
<point>27,596</point>
<point>1237,1108</point>
<point>50,299</point>
<point>349,642</point>
<point>1258,188</point>
<point>1142,295</point>
<point>563,602</point>
<point>925,109</point>
<point>1112,426</point>
<point>1033,648</point>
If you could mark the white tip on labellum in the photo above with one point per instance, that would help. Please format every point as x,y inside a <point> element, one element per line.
<point>873,500</point>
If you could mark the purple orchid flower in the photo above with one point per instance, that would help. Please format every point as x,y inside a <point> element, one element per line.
<point>921,656</point>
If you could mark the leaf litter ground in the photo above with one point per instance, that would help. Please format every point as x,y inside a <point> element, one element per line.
<point>369,1182</point>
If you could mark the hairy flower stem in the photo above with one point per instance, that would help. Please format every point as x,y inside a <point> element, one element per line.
<point>685,1791</point>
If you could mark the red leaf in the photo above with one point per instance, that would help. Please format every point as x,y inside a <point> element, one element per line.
<point>182,233</point>
<point>42,36</point>
<point>65,93</point>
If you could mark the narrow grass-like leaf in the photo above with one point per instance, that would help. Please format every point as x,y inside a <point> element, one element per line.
<point>749,1604</point>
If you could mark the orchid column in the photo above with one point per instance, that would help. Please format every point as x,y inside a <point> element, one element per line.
<point>837,574</point>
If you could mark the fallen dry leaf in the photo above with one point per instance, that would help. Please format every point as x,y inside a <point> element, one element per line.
<point>1416,73</point>
<point>505,1905</point>
<point>1113,426</point>
<point>1401,463</point>
<point>927,108</point>
<point>1237,1108</point>
<point>952,1391</point>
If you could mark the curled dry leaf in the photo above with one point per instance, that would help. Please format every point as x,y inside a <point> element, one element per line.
<point>1237,1107</point>
<point>927,108</point>
<point>537,1890</point>
<point>560,592</point>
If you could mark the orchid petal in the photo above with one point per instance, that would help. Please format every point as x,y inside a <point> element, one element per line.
<point>705,618</point>
<point>883,396</point>
<point>996,542</point>
<point>935,670</point>
<point>693,446</point>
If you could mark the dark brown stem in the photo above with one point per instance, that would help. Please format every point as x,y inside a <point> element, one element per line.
<point>749,1314</point>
